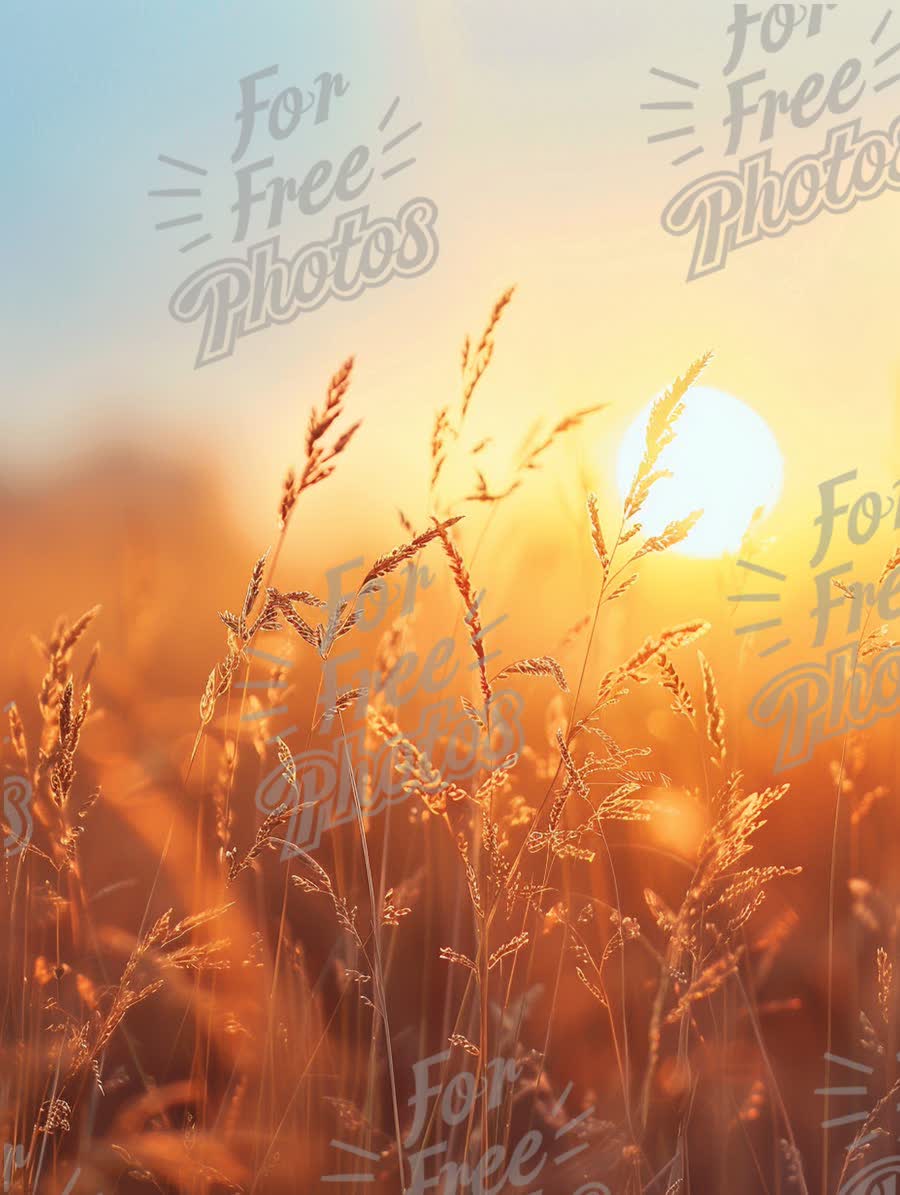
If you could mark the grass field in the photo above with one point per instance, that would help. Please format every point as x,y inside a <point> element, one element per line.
<point>563,928</point>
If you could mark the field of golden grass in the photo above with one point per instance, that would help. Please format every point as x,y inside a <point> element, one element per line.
<point>567,954</point>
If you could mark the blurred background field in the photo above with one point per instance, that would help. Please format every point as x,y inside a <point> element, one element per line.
<point>138,484</point>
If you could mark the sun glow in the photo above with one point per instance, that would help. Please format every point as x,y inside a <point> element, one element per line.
<point>724,461</point>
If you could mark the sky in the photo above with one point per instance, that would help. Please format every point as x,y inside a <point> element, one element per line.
<point>533,149</point>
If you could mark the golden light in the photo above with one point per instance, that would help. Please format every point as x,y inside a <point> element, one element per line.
<point>724,461</point>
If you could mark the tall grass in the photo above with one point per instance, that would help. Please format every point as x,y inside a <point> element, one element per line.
<point>252,1002</point>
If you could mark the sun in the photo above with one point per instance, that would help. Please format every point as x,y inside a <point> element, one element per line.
<point>724,461</point>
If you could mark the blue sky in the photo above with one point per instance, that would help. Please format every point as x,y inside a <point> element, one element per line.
<point>533,147</point>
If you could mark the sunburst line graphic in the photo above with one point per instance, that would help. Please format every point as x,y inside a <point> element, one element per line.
<point>396,140</point>
<point>671,134</point>
<point>668,106</point>
<point>281,662</point>
<point>654,70</point>
<point>862,1141</point>
<point>766,596</point>
<point>692,153</point>
<point>189,166</point>
<point>176,193</point>
<point>385,120</point>
<point>758,626</point>
<point>770,651</point>
<point>834,1122</point>
<point>765,572</point>
<point>567,1128</point>
<point>179,220</point>
<point>258,715</point>
<point>755,597</point>
<point>881,28</point>
<point>674,106</point>
<point>181,193</point>
<point>887,82</point>
<point>561,1102</point>
<point>886,55</point>
<point>365,1154</point>
<point>385,174</point>
<point>413,128</point>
